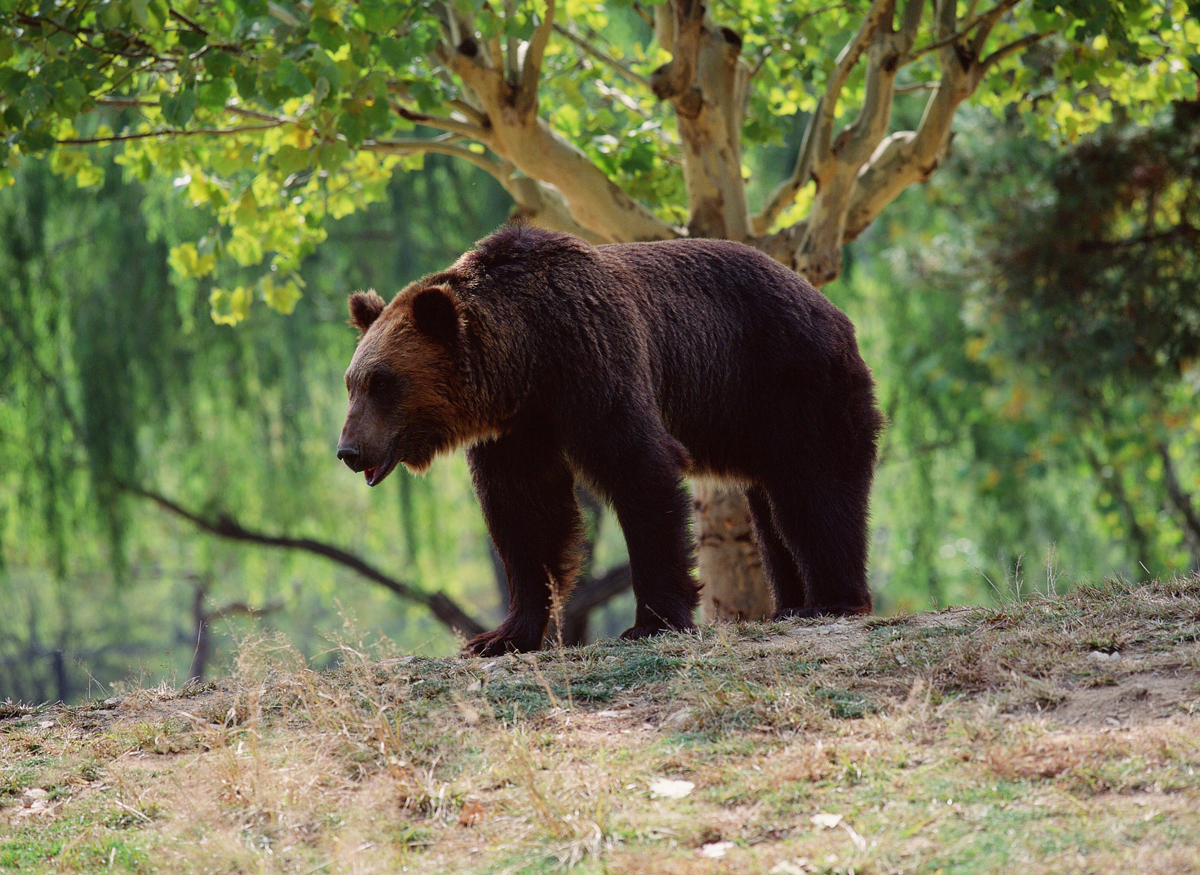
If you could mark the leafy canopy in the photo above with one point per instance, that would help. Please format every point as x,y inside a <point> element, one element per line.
<point>272,116</point>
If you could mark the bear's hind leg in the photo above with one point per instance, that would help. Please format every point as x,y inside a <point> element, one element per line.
<point>785,576</point>
<point>823,521</point>
<point>527,493</point>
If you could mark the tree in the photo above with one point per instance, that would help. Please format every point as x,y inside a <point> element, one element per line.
<point>272,116</point>
<point>1040,370</point>
<point>108,385</point>
<point>1095,292</point>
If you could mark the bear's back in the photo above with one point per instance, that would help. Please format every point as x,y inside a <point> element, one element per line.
<point>711,332</point>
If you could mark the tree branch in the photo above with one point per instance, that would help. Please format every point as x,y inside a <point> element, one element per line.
<point>986,23</point>
<point>783,196</point>
<point>512,50</point>
<point>499,170</point>
<point>534,199</point>
<point>705,83</point>
<point>469,111</point>
<point>440,604</point>
<point>592,200</point>
<point>1015,46</point>
<point>836,163</point>
<point>960,32</point>
<point>465,129</point>
<point>675,80</point>
<point>908,157</point>
<point>880,11</point>
<point>232,109</point>
<point>531,70</point>
<point>1182,502</point>
<point>819,159</point>
<point>145,135</point>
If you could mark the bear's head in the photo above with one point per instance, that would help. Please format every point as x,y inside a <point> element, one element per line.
<point>407,398</point>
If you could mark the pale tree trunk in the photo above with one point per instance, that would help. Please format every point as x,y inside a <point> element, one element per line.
<point>856,170</point>
<point>727,558</point>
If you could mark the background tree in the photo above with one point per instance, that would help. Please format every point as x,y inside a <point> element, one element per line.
<point>1039,369</point>
<point>274,117</point>
<point>1096,294</point>
<point>112,382</point>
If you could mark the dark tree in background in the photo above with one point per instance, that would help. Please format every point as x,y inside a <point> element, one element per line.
<point>1101,283</point>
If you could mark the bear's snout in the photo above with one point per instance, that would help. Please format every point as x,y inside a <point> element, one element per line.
<point>351,455</point>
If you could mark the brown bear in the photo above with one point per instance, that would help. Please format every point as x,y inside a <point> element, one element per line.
<point>626,367</point>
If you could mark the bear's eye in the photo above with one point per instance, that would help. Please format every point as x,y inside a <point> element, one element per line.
<point>383,387</point>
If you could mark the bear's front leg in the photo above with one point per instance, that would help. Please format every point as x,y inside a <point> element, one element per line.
<point>527,493</point>
<point>638,467</point>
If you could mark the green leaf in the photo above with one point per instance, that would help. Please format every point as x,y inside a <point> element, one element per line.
<point>75,164</point>
<point>290,78</point>
<point>245,76</point>
<point>393,52</point>
<point>360,47</point>
<point>141,12</point>
<point>352,126</point>
<point>191,40</point>
<point>425,95</point>
<point>331,155</point>
<point>230,308</point>
<point>380,16</point>
<point>328,34</point>
<point>288,160</point>
<point>324,73</point>
<point>247,209</point>
<point>186,261</point>
<point>245,247</point>
<point>218,64</point>
<point>178,109</point>
<point>251,8</point>
<point>36,138</point>
<point>159,12</point>
<point>214,94</point>
<point>281,298</point>
<point>321,90</point>
<point>89,175</point>
<point>376,113</point>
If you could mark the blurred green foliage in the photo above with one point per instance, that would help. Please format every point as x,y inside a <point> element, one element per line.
<point>112,375</point>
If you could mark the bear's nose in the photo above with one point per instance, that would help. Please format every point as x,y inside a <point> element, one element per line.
<point>351,456</point>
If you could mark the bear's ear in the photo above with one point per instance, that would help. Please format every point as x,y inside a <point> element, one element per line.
<point>365,308</point>
<point>436,314</point>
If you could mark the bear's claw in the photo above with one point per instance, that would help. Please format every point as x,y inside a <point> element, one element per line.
<point>497,643</point>
<point>636,633</point>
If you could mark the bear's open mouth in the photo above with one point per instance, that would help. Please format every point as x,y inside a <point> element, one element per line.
<point>376,474</point>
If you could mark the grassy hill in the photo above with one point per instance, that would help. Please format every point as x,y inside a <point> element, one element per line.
<point>1055,734</point>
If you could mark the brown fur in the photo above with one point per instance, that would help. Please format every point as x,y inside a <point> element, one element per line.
<point>447,414</point>
<point>626,366</point>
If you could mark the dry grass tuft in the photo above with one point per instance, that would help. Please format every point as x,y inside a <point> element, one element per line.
<point>1053,733</point>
